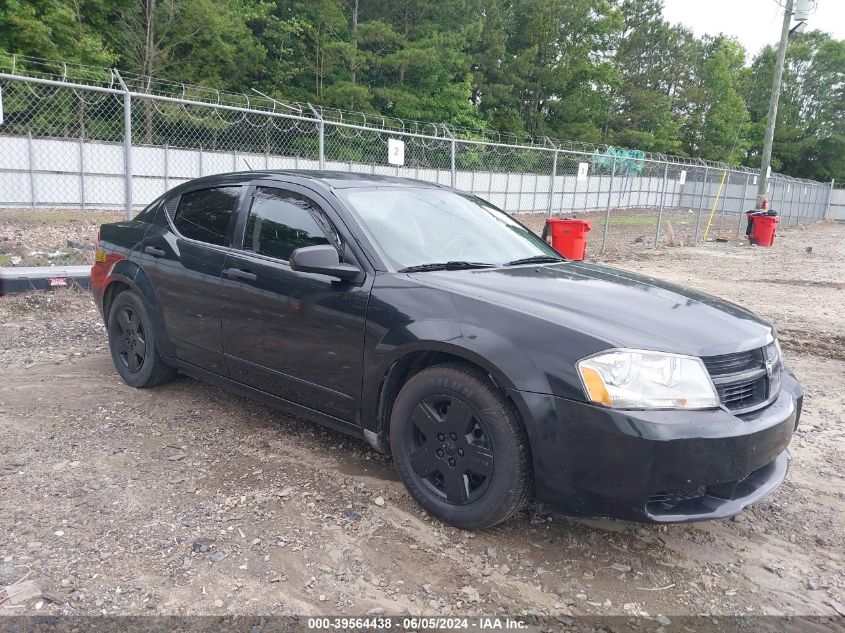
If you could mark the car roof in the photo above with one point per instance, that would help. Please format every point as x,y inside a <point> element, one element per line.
<point>331,179</point>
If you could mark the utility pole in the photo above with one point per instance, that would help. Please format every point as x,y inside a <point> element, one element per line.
<point>763,182</point>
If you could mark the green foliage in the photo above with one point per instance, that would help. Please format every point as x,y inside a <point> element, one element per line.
<point>600,71</point>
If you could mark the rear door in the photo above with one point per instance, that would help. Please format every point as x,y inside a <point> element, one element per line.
<point>299,336</point>
<point>184,259</point>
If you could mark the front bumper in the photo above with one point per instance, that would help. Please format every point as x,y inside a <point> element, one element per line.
<point>658,466</point>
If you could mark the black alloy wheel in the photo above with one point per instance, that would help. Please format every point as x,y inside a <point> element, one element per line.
<point>131,344</point>
<point>449,449</point>
<point>460,446</point>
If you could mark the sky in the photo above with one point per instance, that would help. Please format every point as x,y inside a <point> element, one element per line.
<point>755,23</point>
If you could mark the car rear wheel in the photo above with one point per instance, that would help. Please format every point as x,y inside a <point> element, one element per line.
<point>459,447</point>
<point>133,345</point>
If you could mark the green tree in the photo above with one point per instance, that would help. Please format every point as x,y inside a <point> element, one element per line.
<point>716,128</point>
<point>642,114</point>
<point>57,30</point>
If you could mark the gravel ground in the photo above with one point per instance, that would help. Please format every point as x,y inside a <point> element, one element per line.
<point>45,237</point>
<point>188,500</point>
<point>50,237</point>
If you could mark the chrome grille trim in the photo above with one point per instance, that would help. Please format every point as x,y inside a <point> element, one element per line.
<point>741,379</point>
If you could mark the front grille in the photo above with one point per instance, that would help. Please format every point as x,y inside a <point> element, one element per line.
<point>734,363</point>
<point>741,395</point>
<point>741,379</point>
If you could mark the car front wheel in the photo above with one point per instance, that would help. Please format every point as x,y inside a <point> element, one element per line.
<point>132,343</point>
<point>459,447</point>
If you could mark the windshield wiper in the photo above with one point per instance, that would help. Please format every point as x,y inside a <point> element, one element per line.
<point>536,259</point>
<point>456,265</point>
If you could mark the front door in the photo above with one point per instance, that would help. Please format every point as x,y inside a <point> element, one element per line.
<point>299,336</point>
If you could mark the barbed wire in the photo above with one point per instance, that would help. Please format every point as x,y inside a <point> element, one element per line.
<point>349,124</point>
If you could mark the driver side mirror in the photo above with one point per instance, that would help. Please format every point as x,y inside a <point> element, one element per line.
<point>323,260</point>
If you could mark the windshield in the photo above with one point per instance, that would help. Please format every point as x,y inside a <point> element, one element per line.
<point>414,227</point>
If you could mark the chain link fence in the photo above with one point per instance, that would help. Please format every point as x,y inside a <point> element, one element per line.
<point>80,146</point>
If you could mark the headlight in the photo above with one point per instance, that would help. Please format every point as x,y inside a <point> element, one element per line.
<point>634,379</point>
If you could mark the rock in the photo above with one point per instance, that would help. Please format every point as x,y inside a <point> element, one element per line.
<point>414,612</point>
<point>471,593</point>
<point>51,597</point>
<point>640,239</point>
<point>812,585</point>
<point>837,606</point>
<point>202,545</point>
<point>738,518</point>
<point>822,541</point>
<point>8,574</point>
<point>662,619</point>
<point>621,567</point>
<point>80,246</point>
<point>218,556</point>
<point>491,552</point>
<point>218,603</point>
<point>20,592</point>
<point>351,514</point>
<point>809,249</point>
<point>379,501</point>
<point>187,563</point>
<point>375,611</point>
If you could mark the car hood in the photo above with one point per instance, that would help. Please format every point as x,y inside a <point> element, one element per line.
<point>622,308</point>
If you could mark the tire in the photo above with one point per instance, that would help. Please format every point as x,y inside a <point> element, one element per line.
<point>132,343</point>
<point>459,447</point>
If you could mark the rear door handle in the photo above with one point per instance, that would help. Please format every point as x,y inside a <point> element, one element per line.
<point>237,273</point>
<point>155,252</point>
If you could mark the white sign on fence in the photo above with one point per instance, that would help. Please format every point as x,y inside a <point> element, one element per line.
<point>683,177</point>
<point>583,168</point>
<point>755,180</point>
<point>1,105</point>
<point>395,151</point>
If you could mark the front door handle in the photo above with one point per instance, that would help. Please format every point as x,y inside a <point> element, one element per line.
<point>237,273</point>
<point>155,252</point>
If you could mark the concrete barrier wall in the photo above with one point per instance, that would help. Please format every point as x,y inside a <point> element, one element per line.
<point>45,172</point>
<point>42,172</point>
<point>837,205</point>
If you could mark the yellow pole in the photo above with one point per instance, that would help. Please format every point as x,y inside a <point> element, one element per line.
<point>716,202</point>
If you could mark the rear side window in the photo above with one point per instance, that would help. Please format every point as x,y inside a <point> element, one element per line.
<point>149,213</point>
<point>281,221</point>
<point>204,215</point>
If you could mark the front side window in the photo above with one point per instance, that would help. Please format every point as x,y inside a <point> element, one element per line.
<point>281,221</point>
<point>413,227</point>
<point>204,215</point>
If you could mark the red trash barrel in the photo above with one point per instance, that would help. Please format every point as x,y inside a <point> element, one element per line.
<point>763,229</point>
<point>568,237</point>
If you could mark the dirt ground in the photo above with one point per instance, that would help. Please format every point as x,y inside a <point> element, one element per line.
<point>56,237</point>
<point>188,500</point>
<point>50,237</point>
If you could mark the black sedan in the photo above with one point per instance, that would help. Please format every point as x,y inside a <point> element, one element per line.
<point>441,330</point>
